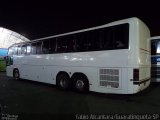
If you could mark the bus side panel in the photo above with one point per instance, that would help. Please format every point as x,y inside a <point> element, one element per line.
<point>40,73</point>
<point>112,82</point>
<point>9,71</point>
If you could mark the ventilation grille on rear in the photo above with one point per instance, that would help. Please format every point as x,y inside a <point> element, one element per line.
<point>109,78</point>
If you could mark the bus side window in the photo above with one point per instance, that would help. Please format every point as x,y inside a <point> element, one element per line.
<point>93,40</point>
<point>9,60</point>
<point>24,50</point>
<point>121,34</point>
<point>15,50</point>
<point>105,39</point>
<point>38,48</point>
<point>33,48</point>
<point>10,51</point>
<point>61,45</point>
<point>28,49</point>
<point>81,42</point>
<point>52,46</point>
<point>45,47</point>
<point>19,50</point>
<point>71,45</point>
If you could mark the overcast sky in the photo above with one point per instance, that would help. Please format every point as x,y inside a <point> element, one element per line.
<point>42,18</point>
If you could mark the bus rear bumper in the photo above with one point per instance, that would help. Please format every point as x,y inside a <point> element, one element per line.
<point>141,82</point>
<point>141,85</point>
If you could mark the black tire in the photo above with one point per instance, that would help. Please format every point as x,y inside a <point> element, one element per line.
<point>80,83</point>
<point>63,81</point>
<point>16,74</point>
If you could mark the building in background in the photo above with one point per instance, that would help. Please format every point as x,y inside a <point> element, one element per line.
<point>7,38</point>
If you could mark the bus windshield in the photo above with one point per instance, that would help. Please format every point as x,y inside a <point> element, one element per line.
<point>155,47</point>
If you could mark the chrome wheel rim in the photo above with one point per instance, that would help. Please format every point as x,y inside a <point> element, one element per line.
<point>79,84</point>
<point>63,83</point>
<point>16,75</point>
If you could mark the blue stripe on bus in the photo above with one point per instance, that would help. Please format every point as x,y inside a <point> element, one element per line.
<point>155,59</point>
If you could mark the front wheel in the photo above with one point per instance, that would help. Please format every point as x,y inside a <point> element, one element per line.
<point>16,74</point>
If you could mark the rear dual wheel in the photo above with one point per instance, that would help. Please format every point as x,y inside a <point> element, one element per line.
<point>63,81</point>
<point>78,82</point>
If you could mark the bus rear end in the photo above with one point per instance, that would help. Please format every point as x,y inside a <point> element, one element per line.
<point>140,71</point>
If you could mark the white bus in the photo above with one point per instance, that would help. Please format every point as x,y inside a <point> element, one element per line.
<point>111,58</point>
<point>155,59</point>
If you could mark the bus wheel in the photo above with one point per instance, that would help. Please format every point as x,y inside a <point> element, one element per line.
<point>63,81</point>
<point>16,74</point>
<point>80,83</point>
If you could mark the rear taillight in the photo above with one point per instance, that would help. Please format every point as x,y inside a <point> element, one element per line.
<point>136,75</point>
